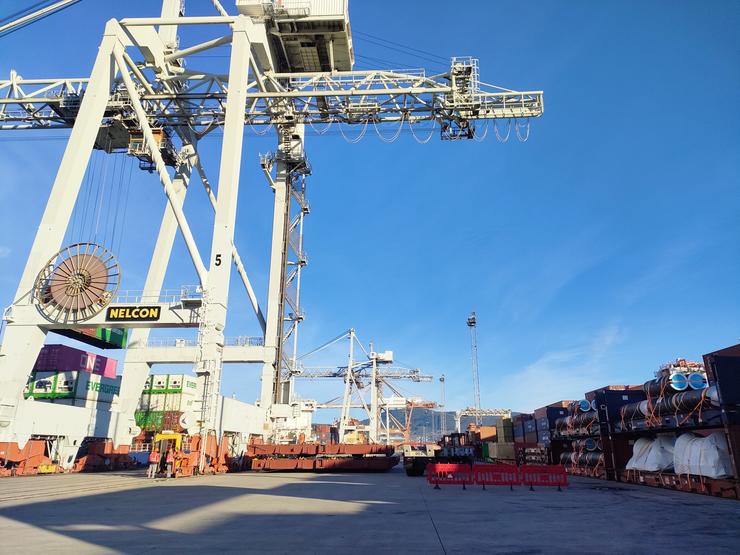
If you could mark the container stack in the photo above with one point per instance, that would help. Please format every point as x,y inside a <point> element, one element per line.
<point>527,448</point>
<point>685,433</point>
<point>164,401</point>
<point>678,430</point>
<point>68,376</point>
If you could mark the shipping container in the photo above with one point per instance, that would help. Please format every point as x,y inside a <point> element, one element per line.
<point>488,433</point>
<point>499,451</point>
<point>508,430</point>
<point>546,416</point>
<point>62,358</point>
<point>171,383</point>
<point>102,338</point>
<point>72,385</point>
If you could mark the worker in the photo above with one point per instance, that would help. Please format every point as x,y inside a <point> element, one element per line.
<point>154,459</point>
<point>170,462</point>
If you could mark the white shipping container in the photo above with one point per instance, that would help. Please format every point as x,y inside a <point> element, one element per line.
<point>159,382</point>
<point>93,387</point>
<point>173,401</point>
<point>42,383</point>
<point>157,402</point>
<point>66,383</point>
<point>190,386</point>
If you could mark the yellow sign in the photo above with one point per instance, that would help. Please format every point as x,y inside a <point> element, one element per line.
<point>133,313</point>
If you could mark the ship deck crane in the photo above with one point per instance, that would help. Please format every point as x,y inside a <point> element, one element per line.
<point>290,65</point>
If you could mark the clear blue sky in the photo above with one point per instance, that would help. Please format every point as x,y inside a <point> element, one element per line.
<point>604,246</point>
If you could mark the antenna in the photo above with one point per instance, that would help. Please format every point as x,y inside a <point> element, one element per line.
<point>474,361</point>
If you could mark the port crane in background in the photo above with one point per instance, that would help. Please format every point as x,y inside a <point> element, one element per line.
<point>479,414</point>
<point>375,373</point>
<point>149,97</point>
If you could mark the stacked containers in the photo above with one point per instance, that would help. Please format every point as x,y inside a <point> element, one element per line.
<point>545,418</point>
<point>69,376</point>
<point>530,430</point>
<point>164,400</point>
<point>518,427</point>
<point>61,358</point>
<point>79,389</point>
<point>507,430</point>
<point>102,338</point>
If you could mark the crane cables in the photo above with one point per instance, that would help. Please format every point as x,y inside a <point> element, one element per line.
<point>400,48</point>
<point>35,12</point>
<point>100,210</point>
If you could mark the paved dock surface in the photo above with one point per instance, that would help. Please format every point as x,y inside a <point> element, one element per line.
<point>358,513</point>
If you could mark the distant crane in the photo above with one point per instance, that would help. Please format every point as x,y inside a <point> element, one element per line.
<point>374,373</point>
<point>474,361</point>
<point>478,414</point>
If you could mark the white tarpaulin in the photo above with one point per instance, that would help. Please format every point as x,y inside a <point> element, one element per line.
<point>702,456</point>
<point>652,455</point>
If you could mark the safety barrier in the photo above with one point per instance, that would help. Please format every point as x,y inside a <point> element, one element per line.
<point>449,473</point>
<point>496,475</point>
<point>543,475</point>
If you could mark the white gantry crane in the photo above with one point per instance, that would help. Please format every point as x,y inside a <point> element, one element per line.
<point>374,372</point>
<point>155,98</point>
<point>478,414</point>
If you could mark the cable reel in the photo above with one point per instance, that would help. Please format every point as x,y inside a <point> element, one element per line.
<point>77,283</point>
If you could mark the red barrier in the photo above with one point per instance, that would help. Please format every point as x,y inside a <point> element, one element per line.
<point>438,473</point>
<point>496,475</point>
<point>543,475</point>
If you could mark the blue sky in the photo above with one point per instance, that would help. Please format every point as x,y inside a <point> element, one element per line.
<point>602,247</point>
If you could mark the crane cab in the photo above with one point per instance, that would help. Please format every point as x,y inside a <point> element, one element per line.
<point>307,35</point>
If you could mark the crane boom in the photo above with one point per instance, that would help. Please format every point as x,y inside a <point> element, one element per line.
<point>352,97</point>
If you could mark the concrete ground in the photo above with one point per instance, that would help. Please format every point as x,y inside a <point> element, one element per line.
<point>336,513</point>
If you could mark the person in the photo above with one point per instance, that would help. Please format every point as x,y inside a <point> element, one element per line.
<point>153,463</point>
<point>170,462</point>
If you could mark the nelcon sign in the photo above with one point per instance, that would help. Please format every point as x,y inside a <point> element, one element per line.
<point>133,313</point>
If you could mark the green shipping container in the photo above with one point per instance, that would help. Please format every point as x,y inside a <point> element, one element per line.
<point>149,420</point>
<point>102,338</point>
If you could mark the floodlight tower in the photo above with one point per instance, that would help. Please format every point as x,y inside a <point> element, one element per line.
<point>443,423</point>
<point>472,322</point>
<point>291,65</point>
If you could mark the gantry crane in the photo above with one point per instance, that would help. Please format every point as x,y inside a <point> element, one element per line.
<point>375,373</point>
<point>478,414</point>
<point>149,96</point>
